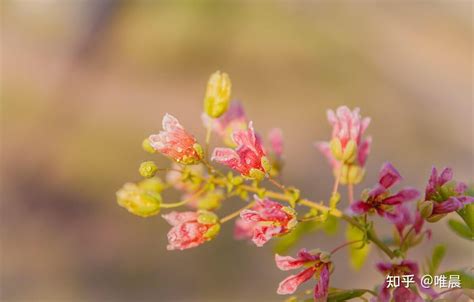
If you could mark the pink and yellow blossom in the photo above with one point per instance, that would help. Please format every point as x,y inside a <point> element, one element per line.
<point>191,229</point>
<point>249,158</point>
<point>266,220</point>
<point>176,143</point>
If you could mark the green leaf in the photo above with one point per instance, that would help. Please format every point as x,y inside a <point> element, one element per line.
<point>331,225</point>
<point>358,254</point>
<point>438,254</point>
<point>466,277</point>
<point>344,295</point>
<point>467,214</point>
<point>461,229</point>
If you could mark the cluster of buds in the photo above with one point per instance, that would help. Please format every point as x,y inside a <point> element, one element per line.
<point>269,214</point>
<point>443,196</point>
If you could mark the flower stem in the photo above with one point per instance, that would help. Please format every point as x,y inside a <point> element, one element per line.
<point>336,182</point>
<point>183,202</point>
<point>236,213</point>
<point>344,245</point>
<point>208,139</point>
<point>350,191</point>
<point>277,184</point>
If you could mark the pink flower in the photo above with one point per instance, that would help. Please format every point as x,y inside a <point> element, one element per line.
<point>176,143</point>
<point>317,264</point>
<point>268,219</point>
<point>248,158</point>
<point>190,229</point>
<point>402,294</point>
<point>444,195</point>
<point>346,144</point>
<point>232,120</point>
<point>381,201</point>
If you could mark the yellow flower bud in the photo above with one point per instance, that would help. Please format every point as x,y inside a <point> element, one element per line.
<point>350,152</point>
<point>147,146</point>
<point>138,201</point>
<point>206,217</point>
<point>355,174</point>
<point>148,169</point>
<point>425,208</point>
<point>336,148</point>
<point>216,100</point>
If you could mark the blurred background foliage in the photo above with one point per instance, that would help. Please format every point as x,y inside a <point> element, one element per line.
<point>83,82</point>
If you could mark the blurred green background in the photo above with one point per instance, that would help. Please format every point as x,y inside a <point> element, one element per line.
<point>83,82</point>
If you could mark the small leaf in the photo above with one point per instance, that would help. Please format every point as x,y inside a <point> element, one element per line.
<point>438,254</point>
<point>344,295</point>
<point>461,229</point>
<point>358,254</point>
<point>466,277</point>
<point>331,225</point>
<point>467,214</point>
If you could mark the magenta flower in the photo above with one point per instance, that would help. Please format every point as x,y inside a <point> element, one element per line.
<point>190,229</point>
<point>317,265</point>
<point>176,143</point>
<point>248,158</point>
<point>232,120</point>
<point>402,293</point>
<point>443,196</point>
<point>380,200</point>
<point>268,219</point>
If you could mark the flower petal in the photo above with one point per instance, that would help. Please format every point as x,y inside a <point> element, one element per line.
<point>445,176</point>
<point>448,206</point>
<point>402,196</point>
<point>175,218</point>
<point>291,283</point>
<point>360,207</point>
<point>275,137</point>
<point>322,286</point>
<point>286,263</point>
<point>389,176</point>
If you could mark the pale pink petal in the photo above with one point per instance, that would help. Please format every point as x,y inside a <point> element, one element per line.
<point>286,263</point>
<point>250,216</point>
<point>243,229</point>
<point>170,123</point>
<point>262,234</point>
<point>364,150</point>
<point>324,148</point>
<point>225,156</point>
<point>291,283</point>
<point>175,218</point>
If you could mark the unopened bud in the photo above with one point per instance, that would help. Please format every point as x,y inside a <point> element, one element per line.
<point>147,146</point>
<point>425,208</point>
<point>336,148</point>
<point>325,257</point>
<point>256,174</point>
<point>435,218</point>
<point>350,152</point>
<point>148,169</point>
<point>355,174</point>
<point>212,231</point>
<point>206,217</point>
<point>216,100</point>
<point>137,201</point>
